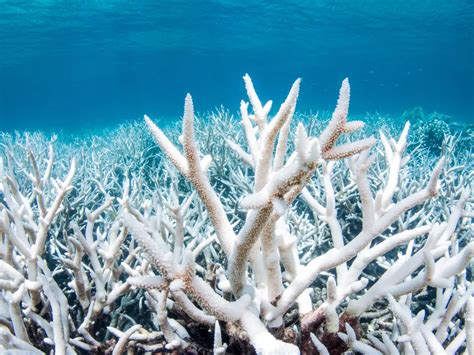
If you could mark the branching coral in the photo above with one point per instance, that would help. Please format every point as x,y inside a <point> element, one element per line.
<point>287,241</point>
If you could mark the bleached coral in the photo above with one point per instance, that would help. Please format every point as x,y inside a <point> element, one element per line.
<point>241,229</point>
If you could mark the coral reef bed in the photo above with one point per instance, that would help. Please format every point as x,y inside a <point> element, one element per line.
<point>254,238</point>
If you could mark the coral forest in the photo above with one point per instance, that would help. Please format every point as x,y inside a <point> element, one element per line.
<point>284,234</point>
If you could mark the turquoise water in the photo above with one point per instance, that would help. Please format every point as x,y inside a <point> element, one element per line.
<point>74,65</point>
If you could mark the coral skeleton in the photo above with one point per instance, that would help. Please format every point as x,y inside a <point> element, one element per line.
<point>280,238</point>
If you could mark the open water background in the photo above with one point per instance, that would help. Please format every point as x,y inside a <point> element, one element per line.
<point>81,65</point>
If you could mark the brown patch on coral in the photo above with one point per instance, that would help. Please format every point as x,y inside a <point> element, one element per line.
<point>314,323</point>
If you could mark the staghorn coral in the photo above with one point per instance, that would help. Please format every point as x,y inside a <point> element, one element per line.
<point>325,238</point>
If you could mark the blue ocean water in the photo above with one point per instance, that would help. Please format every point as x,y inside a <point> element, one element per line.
<point>74,65</point>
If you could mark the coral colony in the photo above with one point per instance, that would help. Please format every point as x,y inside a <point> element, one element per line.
<point>268,240</point>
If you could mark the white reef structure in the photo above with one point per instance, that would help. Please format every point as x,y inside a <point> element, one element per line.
<point>238,253</point>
